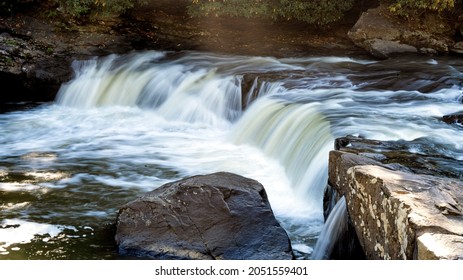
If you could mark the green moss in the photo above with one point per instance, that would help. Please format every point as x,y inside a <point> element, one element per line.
<point>81,8</point>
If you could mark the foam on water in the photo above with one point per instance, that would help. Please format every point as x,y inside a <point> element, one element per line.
<point>128,124</point>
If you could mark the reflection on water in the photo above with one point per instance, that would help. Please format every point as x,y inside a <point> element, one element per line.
<point>126,125</point>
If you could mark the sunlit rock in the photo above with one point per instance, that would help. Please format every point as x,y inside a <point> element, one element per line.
<point>435,246</point>
<point>396,211</point>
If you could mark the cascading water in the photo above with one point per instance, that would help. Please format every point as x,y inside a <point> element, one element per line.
<point>296,135</point>
<point>178,92</point>
<point>127,124</point>
<point>335,225</point>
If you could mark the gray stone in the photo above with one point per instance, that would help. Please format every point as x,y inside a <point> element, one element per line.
<point>383,48</point>
<point>384,35</point>
<point>392,208</point>
<point>372,25</point>
<point>216,216</point>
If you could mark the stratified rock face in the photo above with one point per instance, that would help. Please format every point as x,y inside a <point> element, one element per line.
<point>382,35</point>
<point>398,214</point>
<point>216,216</point>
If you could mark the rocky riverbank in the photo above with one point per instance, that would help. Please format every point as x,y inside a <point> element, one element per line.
<point>38,45</point>
<point>402,205</point>
<point>401,219</point>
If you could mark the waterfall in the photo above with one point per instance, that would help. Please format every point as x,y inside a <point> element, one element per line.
<point>296,135</point>
<point>335,226</point>
<point>127,124</point>
<point>178,92</point>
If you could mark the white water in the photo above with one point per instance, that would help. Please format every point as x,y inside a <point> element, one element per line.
<point>125,125</point>
<point>298,137</point>
<point>335,226</point>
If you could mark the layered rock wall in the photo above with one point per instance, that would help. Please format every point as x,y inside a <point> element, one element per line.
<point>397,213</point>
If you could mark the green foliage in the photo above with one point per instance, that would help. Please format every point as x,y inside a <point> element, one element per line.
<point>410,8</point>
<point>79,8</point>
<point>75,8</point>
<point>320,12</point>
<point>234,8</point>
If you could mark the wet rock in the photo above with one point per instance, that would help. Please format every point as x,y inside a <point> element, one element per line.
<point>394,209</point>
<point>426,159</point>
<point>454,118</point>
<point>30,72</point>
<point>216,216</point>
<point>36,54</point>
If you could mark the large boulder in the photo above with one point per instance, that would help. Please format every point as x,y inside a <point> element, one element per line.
<point>384,35</point>
<point>397,211</point>
<point>216,216</point>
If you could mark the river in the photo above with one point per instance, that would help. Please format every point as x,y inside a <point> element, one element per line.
<point>127,124</point>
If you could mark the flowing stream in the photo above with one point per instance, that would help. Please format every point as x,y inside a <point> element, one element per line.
<point>127,124</point>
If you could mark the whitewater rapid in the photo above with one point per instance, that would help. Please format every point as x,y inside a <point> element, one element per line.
<point>127,124</point>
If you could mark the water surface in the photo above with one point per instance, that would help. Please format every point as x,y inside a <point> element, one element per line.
<point>128,124</point>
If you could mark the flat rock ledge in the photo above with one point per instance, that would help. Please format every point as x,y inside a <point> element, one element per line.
<point>397,213</point>
<point>216,216</point>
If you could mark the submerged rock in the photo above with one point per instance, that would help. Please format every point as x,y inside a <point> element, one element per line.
<point>216,216</point>
<point>454,118</point>
<point>397,212</point>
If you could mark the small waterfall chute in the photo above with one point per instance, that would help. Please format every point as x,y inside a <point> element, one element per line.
<point>335,226</point>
